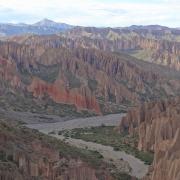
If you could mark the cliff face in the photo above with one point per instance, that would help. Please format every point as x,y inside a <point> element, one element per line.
<point>60,95</point>
<point>28,155</point>
<point>156,46</point>
<point>90,79</point>
<point>8,72</point>
<point>158,127</point>
<point>20,69</point>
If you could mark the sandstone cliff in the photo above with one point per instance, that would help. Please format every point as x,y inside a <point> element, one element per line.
<point>90,79</point>
<point>158,127</point>
<point>60,95</point>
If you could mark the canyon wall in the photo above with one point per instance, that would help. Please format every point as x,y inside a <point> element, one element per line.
<point>61,95</point>
<point>90,79</point>
<point>157,45</point>
<point>158,127</point>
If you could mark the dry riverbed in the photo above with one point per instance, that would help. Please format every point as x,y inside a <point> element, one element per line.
<point>123,161</point>
<point>109,120</point>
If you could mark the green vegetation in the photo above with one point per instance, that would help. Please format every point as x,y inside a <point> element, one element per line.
<point>106,135</point>
<point>111,107</point>
<point>122,176</point>
<point>25,102</point>
<point>93,158</point>
<point>46,73</point>
<point>159,93</point>
<point>92,84</point>
<point>3,156</point>
<point>145,54</point>
<point>25,76</point>
<point>22,134</point>
<point>112,98</point>
<point>74,82</point>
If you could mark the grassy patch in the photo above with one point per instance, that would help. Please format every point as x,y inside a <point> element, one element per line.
<point>92,84</point>
<point>106,135</point>
<point>25,102</point>
<point>142,54</point>
<point>46,73</point>
<point>74,82</point>
<point>25,135</point>
<point>111,107</point>
<point>122,176</point>
<point>93,158</point>
<point>112,98</point>
<point>3,156</point>
<point>66,152</point>
<point>25,76</point>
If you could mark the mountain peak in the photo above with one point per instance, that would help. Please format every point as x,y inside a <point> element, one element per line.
<point>45,22</point>
<point>52,24</point>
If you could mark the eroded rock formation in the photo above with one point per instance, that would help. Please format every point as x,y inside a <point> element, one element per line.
<point>61,95</point>
<point>29,155</point>
<point>158,127</point>
<point>90,79</point>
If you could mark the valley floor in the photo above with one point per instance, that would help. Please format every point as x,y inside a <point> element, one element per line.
<point>121,160</point>
<point>60,124</point>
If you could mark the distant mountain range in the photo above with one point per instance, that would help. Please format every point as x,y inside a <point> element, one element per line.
<point>45,26</point>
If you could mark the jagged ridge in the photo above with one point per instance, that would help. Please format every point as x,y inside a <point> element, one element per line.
<point>158,127</point>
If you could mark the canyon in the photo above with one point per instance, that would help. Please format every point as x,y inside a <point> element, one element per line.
<point>89,79</point>
<point>54,79</point>
<point>157,45</point>
<point>121,160</point>
<point>157,125</point>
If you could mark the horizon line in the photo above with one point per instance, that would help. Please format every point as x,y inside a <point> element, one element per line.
<point>76,25</point>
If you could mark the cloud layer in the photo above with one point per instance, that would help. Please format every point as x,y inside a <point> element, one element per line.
<point>114,13</point>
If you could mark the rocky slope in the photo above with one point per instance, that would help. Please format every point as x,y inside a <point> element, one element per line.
<point>27,155</point>
<point>52,67</point>
<point>154,44</point>
<point>158,127</point>
<point>157,44</point>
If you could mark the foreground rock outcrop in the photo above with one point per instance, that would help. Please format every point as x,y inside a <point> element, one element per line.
<point>27,155</point>
<point>158,127</point>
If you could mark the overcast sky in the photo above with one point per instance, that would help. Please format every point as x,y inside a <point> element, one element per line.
<point>114,13</point>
